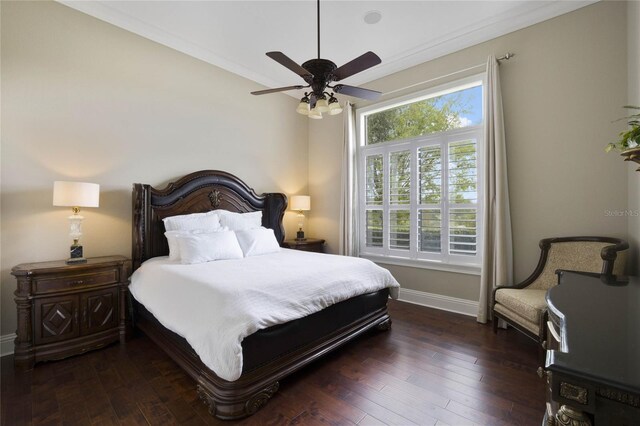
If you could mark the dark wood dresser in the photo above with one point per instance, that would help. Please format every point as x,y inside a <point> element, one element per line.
<point>65,310</point>
<point>308,244</point>
<point>593,356</point>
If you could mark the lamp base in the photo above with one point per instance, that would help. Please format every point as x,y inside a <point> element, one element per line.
<point>300,235</point>
<point>75,254</point>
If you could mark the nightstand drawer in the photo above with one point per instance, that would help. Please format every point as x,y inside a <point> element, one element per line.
<point>48,285</point>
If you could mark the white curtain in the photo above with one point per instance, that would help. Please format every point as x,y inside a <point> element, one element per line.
<point>348,230</point>
<point>497,255</point>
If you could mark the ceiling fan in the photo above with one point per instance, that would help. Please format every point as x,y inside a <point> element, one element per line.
<point>319,74</point>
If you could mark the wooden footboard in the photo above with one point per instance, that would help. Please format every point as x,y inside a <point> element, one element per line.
<point>243,397</point>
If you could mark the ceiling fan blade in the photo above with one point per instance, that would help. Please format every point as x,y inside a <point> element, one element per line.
<point>285,61</point>
<point>277,89</point>
<point>361,63</point>
<point>358,92</point>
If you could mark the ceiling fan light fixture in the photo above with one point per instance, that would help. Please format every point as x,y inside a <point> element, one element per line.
<point>319,73</point>
<point>315,114</point>
<point>334,106</point>
<point>322,105</point>
<point>303,106</point>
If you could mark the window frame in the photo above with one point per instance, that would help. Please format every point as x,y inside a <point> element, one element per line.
<point>414,257</point>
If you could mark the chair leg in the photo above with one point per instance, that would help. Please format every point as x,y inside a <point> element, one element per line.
<point>495,324</point>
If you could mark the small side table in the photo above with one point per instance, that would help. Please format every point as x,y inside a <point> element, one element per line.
<point>308,244</point>
<point>66,310</point>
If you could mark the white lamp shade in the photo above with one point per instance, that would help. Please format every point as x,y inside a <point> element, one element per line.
<point>334,108</point>
<point>300,202</point>
<point>76,194</point>
<point>315,114</point>
<point>322,105</point>
<point>303,108</point>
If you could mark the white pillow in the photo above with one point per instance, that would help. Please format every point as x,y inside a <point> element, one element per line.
<point>240,221</point>
<point>255,242</point>
<point>172,240</point>
<point>187,222</point>
<point>200,248</point>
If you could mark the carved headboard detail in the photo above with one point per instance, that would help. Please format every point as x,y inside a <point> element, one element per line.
<point>197,192</point>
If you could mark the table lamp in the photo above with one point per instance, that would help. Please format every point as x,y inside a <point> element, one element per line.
<point>76,195</point>
<point>300,203</point>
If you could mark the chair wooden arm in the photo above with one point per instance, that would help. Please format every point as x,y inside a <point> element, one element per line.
<point>609,255</point>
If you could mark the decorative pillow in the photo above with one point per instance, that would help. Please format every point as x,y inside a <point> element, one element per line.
<point>240,221</point>
<point>205,247</point>
<point>255,242</point>
<point>188,222</point>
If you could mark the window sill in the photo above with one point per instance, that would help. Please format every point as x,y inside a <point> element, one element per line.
<point>425,264</point>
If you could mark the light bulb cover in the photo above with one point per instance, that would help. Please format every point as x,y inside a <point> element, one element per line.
<point>303,108</point>
<point>335,110</point>
<point>315,114</point>
<point>322,105</point>
<point>334,106</point>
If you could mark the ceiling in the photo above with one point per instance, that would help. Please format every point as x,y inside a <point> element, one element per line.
<point>235,35</point>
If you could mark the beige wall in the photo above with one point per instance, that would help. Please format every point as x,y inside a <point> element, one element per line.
<point>84,100</point>
<point>561,92</point>
<point>633,49</point>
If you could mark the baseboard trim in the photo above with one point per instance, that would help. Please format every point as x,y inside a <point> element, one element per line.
<point>6,344</point>
<point>439,301</point>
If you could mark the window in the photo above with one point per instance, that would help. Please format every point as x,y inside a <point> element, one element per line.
<point>419,169</point>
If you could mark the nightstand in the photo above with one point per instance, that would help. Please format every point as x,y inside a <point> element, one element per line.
<point>308,244</point>
<point>66,310</point>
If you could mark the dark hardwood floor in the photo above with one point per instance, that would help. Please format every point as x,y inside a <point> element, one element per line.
<point>432,368</point>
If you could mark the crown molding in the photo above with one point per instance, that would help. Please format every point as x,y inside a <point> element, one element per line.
<point>101,11</point>
<point>526,15</point>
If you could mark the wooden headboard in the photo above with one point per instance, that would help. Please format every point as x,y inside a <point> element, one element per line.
<point>196,193</point>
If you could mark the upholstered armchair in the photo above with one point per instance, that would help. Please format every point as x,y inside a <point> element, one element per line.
<point>523,305</point>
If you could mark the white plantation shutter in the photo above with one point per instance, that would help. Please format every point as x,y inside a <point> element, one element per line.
<point>420,196</point>
<point>399,229</point>
<point>430,230</point>
<point>463,238</point>
<point>421,199</point>
<point>430,174</point>
<point>374,180</point>
<point>374,194</point>
<point>399,178</point>
<point>463,198</point>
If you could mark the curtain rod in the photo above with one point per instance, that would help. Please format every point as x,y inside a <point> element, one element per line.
<point>505,57</point>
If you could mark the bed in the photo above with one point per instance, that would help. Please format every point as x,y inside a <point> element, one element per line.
<point>269,354</point>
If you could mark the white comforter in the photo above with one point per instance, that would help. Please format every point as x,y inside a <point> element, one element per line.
<point>215,305</point>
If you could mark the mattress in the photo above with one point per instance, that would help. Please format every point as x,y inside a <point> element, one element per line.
<point>266,346</point>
